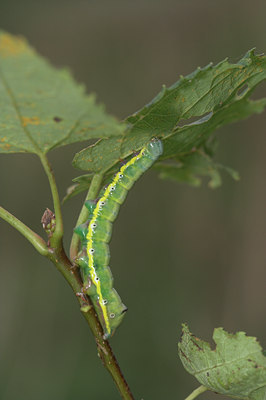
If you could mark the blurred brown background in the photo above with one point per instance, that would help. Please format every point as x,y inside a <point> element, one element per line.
<point>178,253</point>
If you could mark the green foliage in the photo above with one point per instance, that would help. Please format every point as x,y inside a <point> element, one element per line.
<point>187,168</point>
<point>41,107</point>
<point>82,183</point>
<point>185,117</point>
<point>236,367</point>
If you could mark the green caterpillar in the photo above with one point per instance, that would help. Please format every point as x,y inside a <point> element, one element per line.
<point>95,235</point>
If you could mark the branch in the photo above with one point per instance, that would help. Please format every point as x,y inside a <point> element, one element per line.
<point>32,237</point>
<point>83,216</point>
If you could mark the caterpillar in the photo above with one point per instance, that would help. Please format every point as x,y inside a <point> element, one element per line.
<point>95,234</point>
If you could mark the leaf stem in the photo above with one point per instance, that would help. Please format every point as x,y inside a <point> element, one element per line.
<point>32,237</point>
<point>56,239</point>
<point>83,216</point>
<point>196,392</point>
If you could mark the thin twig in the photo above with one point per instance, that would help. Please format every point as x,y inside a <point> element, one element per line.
<point>32,237</point>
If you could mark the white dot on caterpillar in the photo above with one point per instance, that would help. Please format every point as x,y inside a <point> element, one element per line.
<point>105,302</point>
<point>120,175</point>
<point>112,188</point>
<point>102,203</point>
<point>94,225</point>
<point>97,279</point>
<point>91,251</point>
<point>112,315</point>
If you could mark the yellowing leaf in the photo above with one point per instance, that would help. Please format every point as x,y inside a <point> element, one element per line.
<point>42,108</point>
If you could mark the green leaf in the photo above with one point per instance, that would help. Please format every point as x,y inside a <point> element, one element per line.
<point>41,107</point>
<point>100,156</point>
<point>186,114</point>
<point>82,184</point>
<point>188,168</point>
<point>236,367</point>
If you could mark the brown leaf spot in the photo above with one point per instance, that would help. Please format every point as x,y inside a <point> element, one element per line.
<point>30,121</point>
<point>57,119</point>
